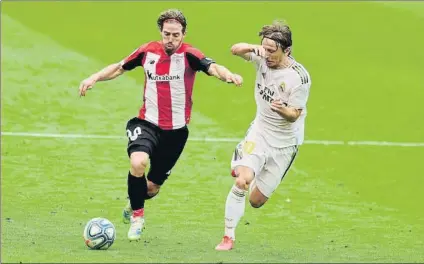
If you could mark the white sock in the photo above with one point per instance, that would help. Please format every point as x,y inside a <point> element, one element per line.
<point>234,210</point>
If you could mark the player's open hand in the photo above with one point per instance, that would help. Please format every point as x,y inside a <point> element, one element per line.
<point>235,78</point>
<point>86,85</point>
<point>259,51</point>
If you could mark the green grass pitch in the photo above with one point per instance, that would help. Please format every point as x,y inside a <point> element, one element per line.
<point>348,203</point>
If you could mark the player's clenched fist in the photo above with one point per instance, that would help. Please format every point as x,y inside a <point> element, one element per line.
<point>85,85</point>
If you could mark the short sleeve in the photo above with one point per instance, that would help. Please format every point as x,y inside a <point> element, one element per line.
<point>134,59</point>
<point>255,59</point>
<point>299,96</point>
<point>198,61</point>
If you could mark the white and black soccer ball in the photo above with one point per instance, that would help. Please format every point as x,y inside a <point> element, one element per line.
<point>99,233</point>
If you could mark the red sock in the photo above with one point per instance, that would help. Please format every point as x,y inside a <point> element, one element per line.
<point>139,212</point>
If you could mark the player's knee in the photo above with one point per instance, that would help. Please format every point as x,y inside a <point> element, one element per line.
<point>138,167</point>
<point>257,199</point>
<point>152,189</point>
<point>256,203</point>
<point>139,162</point>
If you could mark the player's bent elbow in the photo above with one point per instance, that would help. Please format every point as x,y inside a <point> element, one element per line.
<point>292,119</point>
<point>235,49</point>
<point>294,115</point>
<point>119,71</point>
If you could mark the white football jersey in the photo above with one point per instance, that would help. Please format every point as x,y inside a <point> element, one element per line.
<point>290,85</point>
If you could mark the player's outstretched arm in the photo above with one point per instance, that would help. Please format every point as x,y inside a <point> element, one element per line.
<point>224,74</point>
<point>244,50</point>
<point>108,73</point>
<point>199,62</point>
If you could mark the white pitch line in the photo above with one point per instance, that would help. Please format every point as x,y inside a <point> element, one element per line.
<point>221,139</point>
<point>49,135</point>
<point>325,142</point>
<point>386,143</point>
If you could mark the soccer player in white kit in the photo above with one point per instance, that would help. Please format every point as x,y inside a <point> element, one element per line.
<point>262,159</point>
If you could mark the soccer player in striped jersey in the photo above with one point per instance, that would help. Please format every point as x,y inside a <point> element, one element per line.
<point>159,133</point>
<point>262,159</point>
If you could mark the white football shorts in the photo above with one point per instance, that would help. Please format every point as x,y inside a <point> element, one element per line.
<point>269,164</point>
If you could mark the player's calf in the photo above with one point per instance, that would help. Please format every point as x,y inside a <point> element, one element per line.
<point>152,189</point>
<point>137,186</point>
<point>157,176</point>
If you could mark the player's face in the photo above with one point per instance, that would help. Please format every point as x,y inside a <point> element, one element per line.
<point>274,53</point>
<point>172,36</point>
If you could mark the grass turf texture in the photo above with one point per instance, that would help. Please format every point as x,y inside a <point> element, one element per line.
<point>347,203</point>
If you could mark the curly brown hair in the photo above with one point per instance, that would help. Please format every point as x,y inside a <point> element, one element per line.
<point>279,31</point>
<point>174,14</point>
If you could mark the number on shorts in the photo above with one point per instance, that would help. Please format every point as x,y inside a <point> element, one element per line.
<point>134,135</point>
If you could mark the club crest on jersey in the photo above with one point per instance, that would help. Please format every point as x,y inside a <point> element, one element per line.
<point>282,86</point>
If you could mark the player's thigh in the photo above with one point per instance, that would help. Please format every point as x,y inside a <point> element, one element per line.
<point>285,159</point>
<point>276,168</point>
<point>143,139</point>
<point>142,136</point>
<point>248,154</point>
<point>171,146</point>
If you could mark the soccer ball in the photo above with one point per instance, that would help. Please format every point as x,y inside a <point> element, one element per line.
<point>99,233</point>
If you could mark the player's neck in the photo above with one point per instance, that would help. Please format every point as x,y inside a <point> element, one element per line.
<point>286,62</point>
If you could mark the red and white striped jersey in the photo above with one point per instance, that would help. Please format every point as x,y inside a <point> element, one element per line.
<point>168,82</point>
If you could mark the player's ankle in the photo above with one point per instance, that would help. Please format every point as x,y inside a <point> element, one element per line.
<point>138,213</point>
<point>230,232</point>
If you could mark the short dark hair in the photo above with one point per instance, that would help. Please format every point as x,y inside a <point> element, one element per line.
<point>172,14</point>
<point>279,31</point>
